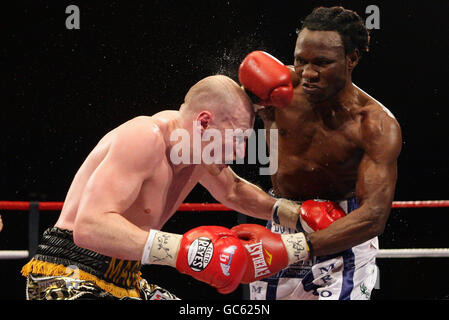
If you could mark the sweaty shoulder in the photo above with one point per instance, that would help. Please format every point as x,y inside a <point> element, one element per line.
<point>381,133</point>
<point>140,141</point>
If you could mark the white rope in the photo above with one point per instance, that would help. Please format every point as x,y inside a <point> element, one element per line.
<point>383,253</point>
<point>414,253</point>
<point>13,254</point>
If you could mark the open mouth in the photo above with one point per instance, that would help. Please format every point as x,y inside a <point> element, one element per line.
<point>308,88</point>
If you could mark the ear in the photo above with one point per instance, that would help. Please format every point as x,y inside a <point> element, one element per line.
<point>204,118</point>
<point>353,59</point>
<point>294,76</point>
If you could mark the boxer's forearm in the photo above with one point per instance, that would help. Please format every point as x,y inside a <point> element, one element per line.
<point>352,230</point>
<point>112,235</point>
<point>238,194</point>
<point>249,199</point>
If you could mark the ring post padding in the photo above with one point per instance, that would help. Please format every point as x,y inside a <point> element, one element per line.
<point>33,228</point>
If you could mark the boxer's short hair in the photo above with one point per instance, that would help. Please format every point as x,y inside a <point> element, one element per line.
<point>346,22</point>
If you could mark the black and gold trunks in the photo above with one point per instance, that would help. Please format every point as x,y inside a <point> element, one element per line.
<point>58,256</point>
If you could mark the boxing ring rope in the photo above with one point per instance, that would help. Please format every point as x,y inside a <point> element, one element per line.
<point>34,209</point>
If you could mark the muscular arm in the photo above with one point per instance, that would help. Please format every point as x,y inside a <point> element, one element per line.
<point>112,189</point>
<point>375,188</point>
<point>239,194</point>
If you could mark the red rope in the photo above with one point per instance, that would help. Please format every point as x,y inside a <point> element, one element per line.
<point>421,204</point>
<point>56,206</point>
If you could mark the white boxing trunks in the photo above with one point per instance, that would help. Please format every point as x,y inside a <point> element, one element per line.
<point>348,275</point>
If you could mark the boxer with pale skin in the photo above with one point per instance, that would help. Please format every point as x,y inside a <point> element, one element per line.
<point>128,187</point>
<point>128,183</point>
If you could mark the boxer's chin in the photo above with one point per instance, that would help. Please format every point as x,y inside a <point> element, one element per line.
<point>215,169</point>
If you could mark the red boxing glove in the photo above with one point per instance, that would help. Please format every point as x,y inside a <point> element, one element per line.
<point>318,215</point>
<point>267,78</point>
<point>214,255</point>
<point>269,252</point>
<point>311,215</point>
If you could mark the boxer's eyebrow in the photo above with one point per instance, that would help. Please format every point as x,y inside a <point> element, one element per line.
<point>298,57</point>
<point>322,60</point>
<point>318,58</point>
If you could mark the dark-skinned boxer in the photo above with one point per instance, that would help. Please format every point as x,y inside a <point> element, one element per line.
<point>335,143</point>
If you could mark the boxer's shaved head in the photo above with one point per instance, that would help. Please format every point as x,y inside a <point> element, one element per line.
<point>222,97</point>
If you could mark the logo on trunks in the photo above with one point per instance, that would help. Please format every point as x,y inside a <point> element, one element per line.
<point>260,260</point>
<point>226,258</point>
<point>200,254</point>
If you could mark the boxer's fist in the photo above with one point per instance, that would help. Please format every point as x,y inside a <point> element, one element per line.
<point>266,78</point>
<point>311,215</point>
<point>266,251</point>
<point>269,252</point>
<point>214,255</point>
<point>318,215</point>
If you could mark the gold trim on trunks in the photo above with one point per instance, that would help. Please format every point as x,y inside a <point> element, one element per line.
<point>116,272</point>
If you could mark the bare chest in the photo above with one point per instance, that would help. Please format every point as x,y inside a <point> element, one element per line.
<point>322,142</point>
<point>316,158</point>
<point>160,196</point>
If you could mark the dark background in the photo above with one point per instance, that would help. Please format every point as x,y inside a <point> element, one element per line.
<point>62,90</point>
